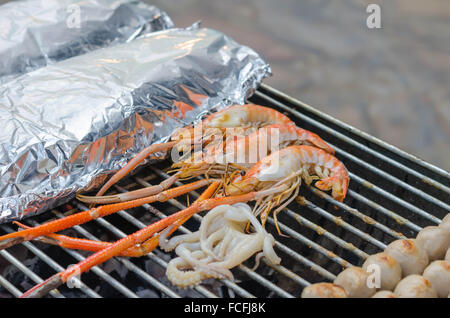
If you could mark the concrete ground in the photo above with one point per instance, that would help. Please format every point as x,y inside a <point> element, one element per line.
<point>392,83</point>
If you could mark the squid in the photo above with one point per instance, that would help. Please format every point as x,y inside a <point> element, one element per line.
<point>219,245</point>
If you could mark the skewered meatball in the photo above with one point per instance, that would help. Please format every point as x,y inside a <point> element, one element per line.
<point>438,273</point>
<point>411,256</point>
<point>385,294</point>
<point>415,286</point>
<point>435,240</point>
<point>354,280</point>
<point>445,224</point>
<point>324,290</point>
<point>390,270</point>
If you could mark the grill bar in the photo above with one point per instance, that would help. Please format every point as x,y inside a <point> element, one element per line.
<point>97,270</point>
<point>321,231</point>
<point>356,213</point>
<point>393,195</point>
<point>403,184</point>
<point>353,130</point>
<point>125,262</point>
<point>367,150</point>
<point>322,271</point>
<point>85,289</point>
<point>10,287</point>
<point>283,270</point>
<point>19,265</point>
<point>318,248</point>
<point>393,215</point>
<point>344,224</point>
<point>264,282</point>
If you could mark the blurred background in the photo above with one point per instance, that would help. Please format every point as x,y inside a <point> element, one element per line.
<point>392,82</point>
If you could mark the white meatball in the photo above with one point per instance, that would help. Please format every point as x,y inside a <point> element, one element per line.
<point>411,256</point>
<point>415,286</point>
<point>355,282</point>
<point>435,240</point>
<point>447,255</point>
<point>438,273</point>
<point>445,223</point>
<point>324,290</point>
<point>390,270</point>
<point>385,294</point>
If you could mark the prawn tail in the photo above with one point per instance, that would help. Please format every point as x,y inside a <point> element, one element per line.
<point>337,183</point>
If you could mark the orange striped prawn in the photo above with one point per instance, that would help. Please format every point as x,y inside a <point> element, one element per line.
<point>288,167</point>
<point>244,118</point>
<point>242,153</point>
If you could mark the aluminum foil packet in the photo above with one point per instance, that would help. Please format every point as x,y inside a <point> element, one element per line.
<point>67,125</point>
<point>36,33</point>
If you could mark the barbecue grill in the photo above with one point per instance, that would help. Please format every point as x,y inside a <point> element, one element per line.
<point>392,195</point>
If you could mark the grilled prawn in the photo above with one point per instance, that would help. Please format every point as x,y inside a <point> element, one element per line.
<point>287,167</point>
<point>243,152</point>
<point>244,119</point>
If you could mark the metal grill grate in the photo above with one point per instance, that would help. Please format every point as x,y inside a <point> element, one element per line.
<point>392,195</point>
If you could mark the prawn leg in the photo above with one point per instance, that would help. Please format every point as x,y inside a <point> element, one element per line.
<point>130,195</point>
<point>134,162</point>
<point>150,230</point>
<point>91,245</point>
<point>95,246</point>
<point>123,244</point>
<point>101,211</point>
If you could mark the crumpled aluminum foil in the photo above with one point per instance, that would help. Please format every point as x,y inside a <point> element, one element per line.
<point>67,125</point>
<point>36,33</point>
